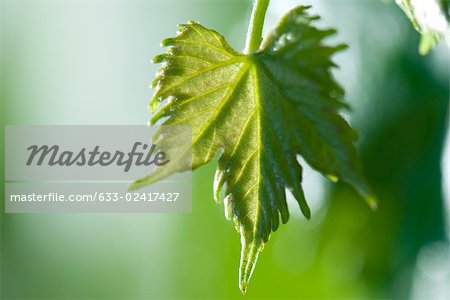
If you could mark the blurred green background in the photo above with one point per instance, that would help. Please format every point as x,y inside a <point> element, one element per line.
<point>89,62</point>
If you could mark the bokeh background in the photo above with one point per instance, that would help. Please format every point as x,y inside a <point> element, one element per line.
<point>89,62</point>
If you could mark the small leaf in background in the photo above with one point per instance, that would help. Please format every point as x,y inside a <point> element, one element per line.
<point>261,111</point>
<point>431,18</point>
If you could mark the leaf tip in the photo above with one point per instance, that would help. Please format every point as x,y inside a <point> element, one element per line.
<point>133,186</point>
<point>342,47</point>
<point>332,178</point>
<point>168,42</point>
<point>159,58</point>
<point>243,288</point>
<point>304,207</point>
<point>249,256</point>
<point>307,213</point>
<point>140,183</point>
<point>373,202</point>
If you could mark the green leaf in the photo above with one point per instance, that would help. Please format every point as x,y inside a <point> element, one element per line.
<point>262,111</point>
<point>430,18</point>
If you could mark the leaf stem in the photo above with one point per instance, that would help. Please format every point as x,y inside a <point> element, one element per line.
<point>255,28</point>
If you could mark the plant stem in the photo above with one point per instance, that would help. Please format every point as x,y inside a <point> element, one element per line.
<point>255,28</point>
